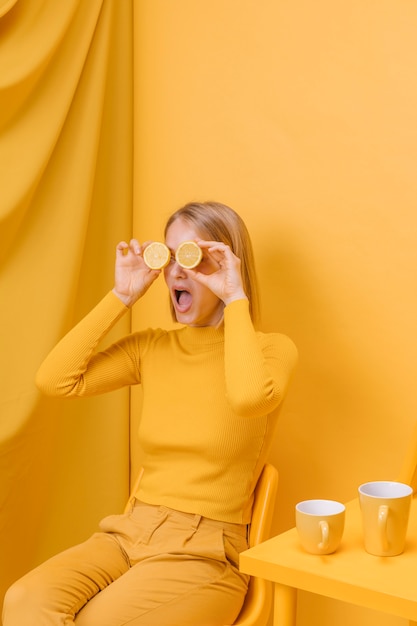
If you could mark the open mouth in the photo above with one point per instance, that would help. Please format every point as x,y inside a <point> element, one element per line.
<point>183,299</point>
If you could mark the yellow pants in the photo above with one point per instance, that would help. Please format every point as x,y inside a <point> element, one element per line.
<point>150,567</point>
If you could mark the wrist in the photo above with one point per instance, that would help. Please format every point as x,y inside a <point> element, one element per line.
<point>234,297</point>
<point>127,300</point>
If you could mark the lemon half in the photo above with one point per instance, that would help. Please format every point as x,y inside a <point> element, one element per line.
<point>156,255</point>
<point>188,254</point>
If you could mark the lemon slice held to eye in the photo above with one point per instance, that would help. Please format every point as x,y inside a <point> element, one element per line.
<point>156,255</point>
<point>188,254</point>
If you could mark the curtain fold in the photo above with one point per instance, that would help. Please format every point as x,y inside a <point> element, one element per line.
<point>66,156</point>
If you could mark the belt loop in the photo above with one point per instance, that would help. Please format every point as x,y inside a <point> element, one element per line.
<point>196,522</point>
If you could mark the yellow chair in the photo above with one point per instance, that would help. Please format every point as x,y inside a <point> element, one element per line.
<point>258,602</point>
<point>408,472</point>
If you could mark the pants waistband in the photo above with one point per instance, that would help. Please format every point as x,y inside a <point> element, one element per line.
<point>197,520</point>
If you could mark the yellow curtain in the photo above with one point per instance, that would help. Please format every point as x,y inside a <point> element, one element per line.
<point>65,200</point>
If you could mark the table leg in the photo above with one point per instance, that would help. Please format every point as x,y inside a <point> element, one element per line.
<point>285,605</point>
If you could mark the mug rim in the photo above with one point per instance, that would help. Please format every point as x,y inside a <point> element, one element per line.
<point>339,507</point>
<point>406,490</point>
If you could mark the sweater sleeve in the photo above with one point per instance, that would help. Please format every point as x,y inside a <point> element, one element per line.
<point>258,366</point>
<point>74,369</point>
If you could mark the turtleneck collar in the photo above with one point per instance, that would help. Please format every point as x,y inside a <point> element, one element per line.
<point>201,335</point>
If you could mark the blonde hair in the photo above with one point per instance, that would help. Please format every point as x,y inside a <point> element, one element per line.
<point>219,222</point>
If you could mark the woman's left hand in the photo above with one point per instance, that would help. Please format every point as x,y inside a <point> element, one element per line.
<point>220,271</point>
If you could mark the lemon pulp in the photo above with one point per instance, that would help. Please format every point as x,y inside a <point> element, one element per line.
<point>156,255</point>
<point>188,254</point>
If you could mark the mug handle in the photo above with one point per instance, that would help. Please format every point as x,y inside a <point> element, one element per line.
<point>382,525</point>
<point>324,529</point>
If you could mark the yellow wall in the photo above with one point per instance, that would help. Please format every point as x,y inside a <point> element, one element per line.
<point>303,116</point>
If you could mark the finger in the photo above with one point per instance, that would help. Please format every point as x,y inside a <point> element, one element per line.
<point>206,245</point>
<point>135,246</point>
<point>146,244</point>
<point>221,249</point>
<point>218,250</point>
<point>121,247</point>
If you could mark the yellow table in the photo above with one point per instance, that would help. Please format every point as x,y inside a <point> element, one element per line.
<point>387,584</point>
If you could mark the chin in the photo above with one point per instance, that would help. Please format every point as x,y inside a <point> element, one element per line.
<point>183,318</point>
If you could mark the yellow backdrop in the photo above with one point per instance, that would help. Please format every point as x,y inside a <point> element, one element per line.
<point>303,117</point>
<point>65,199</point>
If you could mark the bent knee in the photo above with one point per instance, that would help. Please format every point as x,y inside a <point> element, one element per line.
<point>14,599</point>
<point>15,593</point>
<point>21,604</point>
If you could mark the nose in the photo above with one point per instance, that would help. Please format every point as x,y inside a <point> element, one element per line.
<point>176,270</point>
<point>179,270</point>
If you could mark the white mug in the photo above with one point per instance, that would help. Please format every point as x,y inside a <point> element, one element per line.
<point>385,508</point>
<point>320,525</point>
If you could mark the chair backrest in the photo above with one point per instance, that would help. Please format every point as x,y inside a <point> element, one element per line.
<point>263,505</point>
<point>258,601</point>
<point>408,472</point>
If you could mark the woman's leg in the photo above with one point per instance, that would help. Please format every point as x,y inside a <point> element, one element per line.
<point>170,592</point>
<point>153,567</point>
<point>184,572</point>
<point>52,594</point>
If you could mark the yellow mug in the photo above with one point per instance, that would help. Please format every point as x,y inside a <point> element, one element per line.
<point>320,525</point>
<point>385,508</point>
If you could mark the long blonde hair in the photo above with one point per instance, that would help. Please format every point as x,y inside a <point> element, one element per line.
<point>218,222</point>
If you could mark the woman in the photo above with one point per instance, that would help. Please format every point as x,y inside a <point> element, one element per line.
<point>211,390</point>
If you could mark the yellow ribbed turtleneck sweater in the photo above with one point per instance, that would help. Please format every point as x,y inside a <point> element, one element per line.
<point>210,400</point>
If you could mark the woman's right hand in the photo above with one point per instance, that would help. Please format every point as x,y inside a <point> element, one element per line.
<point>132,276</point>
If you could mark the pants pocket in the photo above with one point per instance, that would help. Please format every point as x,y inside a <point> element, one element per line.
<point>233,545</point>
